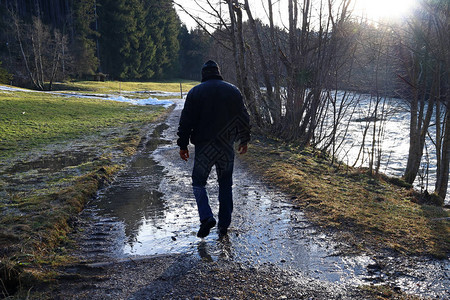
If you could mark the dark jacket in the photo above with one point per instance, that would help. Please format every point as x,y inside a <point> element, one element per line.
<point>213,111</point>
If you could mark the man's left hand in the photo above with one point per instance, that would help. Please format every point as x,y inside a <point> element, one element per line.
<point>184,154</point>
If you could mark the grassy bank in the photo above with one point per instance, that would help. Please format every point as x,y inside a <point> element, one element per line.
<point>371,213</point>
<point>55,153</point>
<point>118,86</point>
<point>29,120</point>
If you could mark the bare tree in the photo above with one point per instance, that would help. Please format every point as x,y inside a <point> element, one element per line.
<point>41,49</point>
<point>274,46</point>
<point>442,176</point>
<point>306,62</point>
<point>33,75</point>
<point>271,103</point>
<point>421,65</point>
<point>440,14</point>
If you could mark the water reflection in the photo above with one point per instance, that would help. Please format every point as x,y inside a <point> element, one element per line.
<point>133,207</point>
<point>202,248</point>
<point>220,248</point>
<point>134,198</point>
<point>156,204</point>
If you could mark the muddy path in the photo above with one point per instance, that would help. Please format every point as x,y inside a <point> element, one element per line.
<point>137,240</point>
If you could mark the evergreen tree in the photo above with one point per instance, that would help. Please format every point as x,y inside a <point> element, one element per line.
<point>5,77</point>
<point>119,21</point>
<point>139,38</point>
<point>135,32</point>
<point>171,42</point>
<point>163,25</point>
<point>127,39</point>
<point>84,44</point>
<point>194,49</point>
<point>147,46</point>
<point>4,38</point>
<point>185,43</point>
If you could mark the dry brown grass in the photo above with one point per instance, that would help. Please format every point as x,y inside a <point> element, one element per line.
<point>374,213</point>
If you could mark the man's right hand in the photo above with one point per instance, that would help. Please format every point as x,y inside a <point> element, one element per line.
<point>242,149</point>
<point>184,154</point>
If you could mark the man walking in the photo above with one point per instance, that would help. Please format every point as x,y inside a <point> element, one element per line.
<point>213,119</point>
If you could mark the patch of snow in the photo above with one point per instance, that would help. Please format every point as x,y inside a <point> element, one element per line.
<point>13,89</point>
<point>148,101</point>
<point>157,93</point>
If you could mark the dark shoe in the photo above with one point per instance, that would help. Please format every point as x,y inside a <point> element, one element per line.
<point>205,227</point>
<point>223,231</point>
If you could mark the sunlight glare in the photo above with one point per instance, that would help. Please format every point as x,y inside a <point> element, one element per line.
<point>384,9</point>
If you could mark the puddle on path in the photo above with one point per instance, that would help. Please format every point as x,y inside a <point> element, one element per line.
<point>154,202</point>
<point>134,197</point>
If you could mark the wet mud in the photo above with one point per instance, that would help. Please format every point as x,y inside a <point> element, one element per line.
<point>53,163</point>
<point>148,217</point>
<point>44,170</point>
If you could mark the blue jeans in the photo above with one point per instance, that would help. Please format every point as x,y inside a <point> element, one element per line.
<point>221,156</point>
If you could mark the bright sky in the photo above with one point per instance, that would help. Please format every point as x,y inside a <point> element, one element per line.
<point>374,10</point>
<point>384,9</point>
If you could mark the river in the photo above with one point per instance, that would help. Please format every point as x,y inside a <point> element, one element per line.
<point>394,141</point>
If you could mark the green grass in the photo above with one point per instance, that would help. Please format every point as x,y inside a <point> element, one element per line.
<point>29,120</point>
<point>371,213</point>
<point>40,130</point>
<point>118,86</point>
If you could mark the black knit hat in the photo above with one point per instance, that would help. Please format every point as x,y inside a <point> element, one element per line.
<point>210,64</point>
<point>210,69</point>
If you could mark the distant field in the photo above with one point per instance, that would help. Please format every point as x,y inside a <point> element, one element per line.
<point>31,119</point>
<point>117,86</point>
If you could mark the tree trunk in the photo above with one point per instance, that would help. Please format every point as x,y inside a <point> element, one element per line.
<point>443,171</point>
<point>251,103</point>
<point>274,67</point>
<point>273,108</point>
<point>416,145</point>
<point>24,56</point>
<point>418,130</point>
<point>290,67</point>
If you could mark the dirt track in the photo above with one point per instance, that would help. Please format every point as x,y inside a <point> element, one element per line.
<point>137,241</point>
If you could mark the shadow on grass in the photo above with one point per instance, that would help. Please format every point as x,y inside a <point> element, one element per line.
<point>68,86</point>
